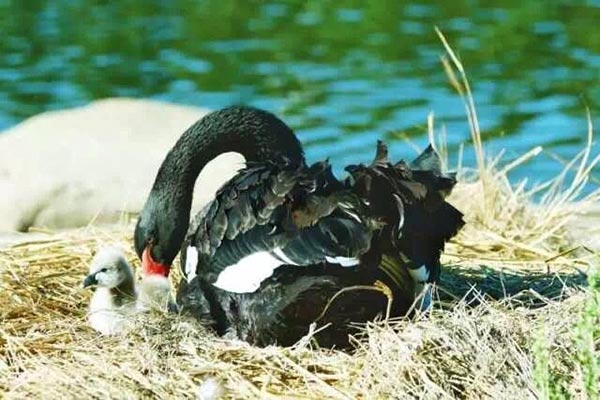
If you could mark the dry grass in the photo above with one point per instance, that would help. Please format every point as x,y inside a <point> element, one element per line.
<point>470,351</point>
<point>514,281</point>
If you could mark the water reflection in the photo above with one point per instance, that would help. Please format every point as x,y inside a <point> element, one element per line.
<point>342,73</point>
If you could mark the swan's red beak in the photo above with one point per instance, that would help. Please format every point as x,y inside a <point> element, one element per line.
<point>151,267</point>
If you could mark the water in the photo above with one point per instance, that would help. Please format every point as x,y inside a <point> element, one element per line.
<point>341,73</point>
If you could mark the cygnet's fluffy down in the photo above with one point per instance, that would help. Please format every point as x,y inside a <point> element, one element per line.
<point>210,389</point>
<point>116,298</point>
<point>154,292</point>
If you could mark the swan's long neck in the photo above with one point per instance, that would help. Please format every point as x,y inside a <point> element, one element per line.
<point>255,134</point>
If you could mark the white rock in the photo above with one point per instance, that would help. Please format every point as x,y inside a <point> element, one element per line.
<point>64,169</point>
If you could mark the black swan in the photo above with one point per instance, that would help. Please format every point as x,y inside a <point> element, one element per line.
<point>327,244</point>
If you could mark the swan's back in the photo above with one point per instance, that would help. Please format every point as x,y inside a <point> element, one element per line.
<point>282,213</point>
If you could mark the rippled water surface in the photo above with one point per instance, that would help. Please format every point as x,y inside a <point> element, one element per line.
<point>342,73</point>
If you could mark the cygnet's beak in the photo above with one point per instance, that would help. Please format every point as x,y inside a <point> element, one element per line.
<point>90,280</point>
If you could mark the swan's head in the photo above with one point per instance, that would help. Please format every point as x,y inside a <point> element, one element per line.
<point>158,236</point>
<point>108,269</point>
<point>255,134</point>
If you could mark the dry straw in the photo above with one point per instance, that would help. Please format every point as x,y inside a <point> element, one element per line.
<point>515,270</point>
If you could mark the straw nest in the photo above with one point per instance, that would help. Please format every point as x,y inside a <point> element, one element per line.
<point>513,291</point>
<point>494,301</point>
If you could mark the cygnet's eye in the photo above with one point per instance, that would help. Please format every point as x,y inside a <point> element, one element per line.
<point>103,269</point>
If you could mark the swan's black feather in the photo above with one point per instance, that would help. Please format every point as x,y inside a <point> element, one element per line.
<point>311,218</point>
<point>333,236</point>
<point>281,310</point>
<point>306,214</point>
<point>428,160</point>
<point>384,220</point>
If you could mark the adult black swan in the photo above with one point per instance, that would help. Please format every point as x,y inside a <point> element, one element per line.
<point>321,245</point>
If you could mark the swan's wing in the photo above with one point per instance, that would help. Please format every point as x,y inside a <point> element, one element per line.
<point>273,214</point>
<point>294,297</point>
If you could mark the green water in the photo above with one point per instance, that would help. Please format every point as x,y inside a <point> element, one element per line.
<point>342,73</point>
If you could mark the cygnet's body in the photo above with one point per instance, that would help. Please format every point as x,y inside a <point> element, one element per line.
<point>154,293</point>
<point>116,298</point>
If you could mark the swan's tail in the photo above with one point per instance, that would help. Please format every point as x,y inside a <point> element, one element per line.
<point>410,199</point>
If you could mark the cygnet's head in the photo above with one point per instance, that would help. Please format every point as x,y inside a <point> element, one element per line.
<point>108,269</point>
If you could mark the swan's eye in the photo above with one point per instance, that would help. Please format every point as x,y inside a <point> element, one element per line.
<point>103,269</point>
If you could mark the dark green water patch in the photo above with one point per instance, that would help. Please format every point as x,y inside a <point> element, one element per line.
<point>342,73</point>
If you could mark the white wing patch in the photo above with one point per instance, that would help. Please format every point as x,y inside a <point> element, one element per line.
<point>191,263</point>
<point>343,261</point>
<point>423,291</point>
<point>281,255</point>
<point>246,275</point>
<point>423,294</point>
